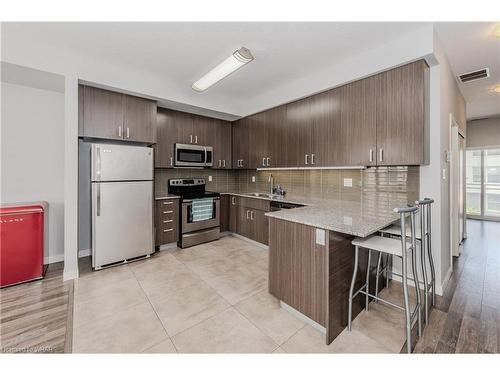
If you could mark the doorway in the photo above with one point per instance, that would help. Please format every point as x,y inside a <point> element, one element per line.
<point>483,184</point>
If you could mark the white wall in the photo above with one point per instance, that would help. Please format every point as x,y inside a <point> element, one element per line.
<point>484,132</point>
<point>445,100</point>
<point>32,154</point>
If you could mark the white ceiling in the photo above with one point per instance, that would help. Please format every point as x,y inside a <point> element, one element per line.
<point>183,52</point>
<point>291,59</point>
<point>471,46</point>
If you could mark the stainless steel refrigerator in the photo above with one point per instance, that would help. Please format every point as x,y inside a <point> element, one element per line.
<point>122,203</point>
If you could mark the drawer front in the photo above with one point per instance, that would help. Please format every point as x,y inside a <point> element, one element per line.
<point>167,221</point>
<point>255,203</point>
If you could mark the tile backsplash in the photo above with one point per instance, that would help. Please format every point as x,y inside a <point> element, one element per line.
<point>326,183</point>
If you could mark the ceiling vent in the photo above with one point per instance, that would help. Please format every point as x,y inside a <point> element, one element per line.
<point>474,76</point>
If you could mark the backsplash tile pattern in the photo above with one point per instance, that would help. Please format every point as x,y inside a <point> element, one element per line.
<point>389,182</point>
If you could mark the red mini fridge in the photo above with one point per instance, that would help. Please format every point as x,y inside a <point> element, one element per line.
<point>22,240</point>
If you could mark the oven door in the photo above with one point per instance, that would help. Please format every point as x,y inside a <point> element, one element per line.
<point>190,155</point>
<point>188,225</point>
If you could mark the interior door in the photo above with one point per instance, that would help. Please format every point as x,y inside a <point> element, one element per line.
<point>122,221</point>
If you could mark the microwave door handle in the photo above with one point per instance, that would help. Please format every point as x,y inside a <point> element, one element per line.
<point>205,160</point>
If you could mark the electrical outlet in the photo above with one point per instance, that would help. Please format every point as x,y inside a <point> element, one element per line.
<point>253,178</point>
<point>320,237</point>
<point>347,182</point>
<point>209,178</point>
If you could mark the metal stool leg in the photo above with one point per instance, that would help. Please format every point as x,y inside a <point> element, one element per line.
<point>368,279</point>
<point>378,273</point>
<point>351,290</point>
<point>415,273</point>
<point>387,270</point>
<point>405,289</point>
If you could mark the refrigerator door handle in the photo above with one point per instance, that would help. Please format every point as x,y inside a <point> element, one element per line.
<point>98,163</point>
<point>98,200</point>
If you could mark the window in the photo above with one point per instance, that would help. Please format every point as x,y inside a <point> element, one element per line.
<point>483,182</point>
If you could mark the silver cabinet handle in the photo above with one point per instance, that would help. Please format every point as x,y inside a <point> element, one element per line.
<point>268,161</point>
<point>168,202</point>
<point>168,212</point>
<point>381,155</point>
<point>220,163</point>
<point>167,221</point>
<point>128,132</point>
<point>371,156</point>
<point>263,162</point>
<point>168,230</point>
<point>224,163</point>
<point>307,159</point>
<point>120,131</point>
<point>248,212</point>
<point>233,200</point>
<point>312,159</point>
<point>196,139</point>
<point>242,161</point>
<point>191,138</point>
<point>98,198</point>
<point>251,215</point>
<point>171,161</point>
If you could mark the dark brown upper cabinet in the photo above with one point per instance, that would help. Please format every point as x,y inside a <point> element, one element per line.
<point>241,143</point>
<point>219,134</point>
<point>111,115</point>
<point>401,115</point>
<point>358,125</point>
<point>168,133</point>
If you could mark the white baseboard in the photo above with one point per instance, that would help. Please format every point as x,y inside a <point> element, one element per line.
<point>302,317</point>
<point>53,259</point>
<point>84,253</point>
<point>261,245</point>
<point>441,288</point>
<point>70,274</point>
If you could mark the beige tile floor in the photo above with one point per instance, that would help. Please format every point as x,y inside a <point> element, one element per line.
<point>210,298</point>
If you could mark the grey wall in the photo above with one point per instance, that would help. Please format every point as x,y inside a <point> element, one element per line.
<point>484,132</point>
<point>84,198</point>
<point>32,154</point>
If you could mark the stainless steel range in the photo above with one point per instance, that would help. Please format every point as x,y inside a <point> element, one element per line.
<point>200,211</point>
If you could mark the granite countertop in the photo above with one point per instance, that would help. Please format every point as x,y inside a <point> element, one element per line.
<point>166,196</point>
<point>358,218</point>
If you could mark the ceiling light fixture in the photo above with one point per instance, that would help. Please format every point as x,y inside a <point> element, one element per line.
<point>239,58</point>
<point>496,88</point>
<point>497,31</point>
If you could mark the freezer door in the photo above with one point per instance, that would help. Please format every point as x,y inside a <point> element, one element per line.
<point>121,163</point>
<point>122,221</point>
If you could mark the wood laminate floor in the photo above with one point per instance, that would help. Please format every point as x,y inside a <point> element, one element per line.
<point>467,318</point>
<point>36,317</point>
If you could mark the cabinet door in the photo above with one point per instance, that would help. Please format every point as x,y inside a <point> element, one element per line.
<point>241,143</point>
<point>261,227</point>
<point>168,133</point>
<point>234,214</point>
<point>221,134</point>
<point>258,141</point>
<point>102,113</point>
<point>225,207</point>
<point>244,224</point>
<point>139,119</point>
<point>326,142</point>
<point>275,130</point>
<point>298,133</point>
<point>187,128</point>
<point>401,115</point>
<point>358,122</point>
<point>202,130</point>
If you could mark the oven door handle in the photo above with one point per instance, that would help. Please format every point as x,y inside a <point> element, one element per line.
<point>187,201</point>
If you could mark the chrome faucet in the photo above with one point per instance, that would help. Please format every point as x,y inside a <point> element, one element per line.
<point>271,184</point>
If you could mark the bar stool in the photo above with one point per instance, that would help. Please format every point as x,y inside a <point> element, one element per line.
<point>425,247</point>
<point>397,247</point>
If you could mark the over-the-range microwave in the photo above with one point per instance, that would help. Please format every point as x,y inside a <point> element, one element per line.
<point>194,156</point>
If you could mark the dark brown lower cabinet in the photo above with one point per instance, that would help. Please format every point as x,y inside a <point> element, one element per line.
<point>247,218</point>
<point>166,221</point>
<point>225,206</point>
<point>314,278</point>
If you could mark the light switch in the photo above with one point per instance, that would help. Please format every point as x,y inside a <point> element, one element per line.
<point>320,237</point>
<point>253,178</point>
<point>348,182</point>
<point>209,178</point>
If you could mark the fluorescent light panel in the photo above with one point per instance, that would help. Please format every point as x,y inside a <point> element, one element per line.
<point>239,58</point>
